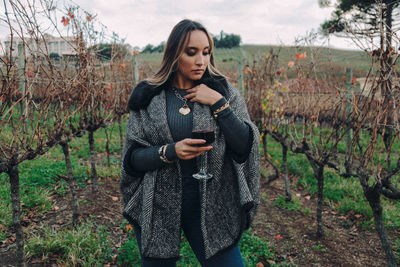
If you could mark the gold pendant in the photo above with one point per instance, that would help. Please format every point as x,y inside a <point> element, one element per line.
<point>184,110</point>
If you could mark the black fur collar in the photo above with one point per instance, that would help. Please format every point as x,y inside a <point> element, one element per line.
<point>144,92</point>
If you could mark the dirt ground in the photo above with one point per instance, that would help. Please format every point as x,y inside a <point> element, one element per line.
<point>292,233</point>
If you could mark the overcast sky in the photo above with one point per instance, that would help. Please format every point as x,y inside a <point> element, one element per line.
<point>256,21</point>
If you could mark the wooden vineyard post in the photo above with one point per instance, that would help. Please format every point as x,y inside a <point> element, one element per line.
<point>21,73</point>
<point>135,70</point>
<point>349,87</point>
<point>240,73</point>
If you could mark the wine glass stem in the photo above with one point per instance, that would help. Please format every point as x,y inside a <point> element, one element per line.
<point>203,164</point>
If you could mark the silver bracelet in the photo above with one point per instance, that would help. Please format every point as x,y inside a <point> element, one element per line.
<point>162,153</point>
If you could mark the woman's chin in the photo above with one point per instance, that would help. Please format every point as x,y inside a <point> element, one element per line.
<point>197,77</point>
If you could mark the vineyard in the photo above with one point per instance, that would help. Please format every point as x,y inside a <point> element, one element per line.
<point>330,148</point>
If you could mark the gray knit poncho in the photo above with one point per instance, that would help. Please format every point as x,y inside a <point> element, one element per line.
<point>153,199</point>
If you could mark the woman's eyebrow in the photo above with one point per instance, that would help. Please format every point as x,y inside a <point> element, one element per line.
<point>196,48</point>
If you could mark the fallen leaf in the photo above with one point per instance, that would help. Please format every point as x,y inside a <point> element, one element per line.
<point>56,208</point>
<point>114,198</point>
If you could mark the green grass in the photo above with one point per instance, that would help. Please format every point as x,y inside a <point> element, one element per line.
<point>83,246</point>
<point>319,247</point>
<point>293,205</point>
<point>253,249</point>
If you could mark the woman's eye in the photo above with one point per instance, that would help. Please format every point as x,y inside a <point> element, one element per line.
<point>191,53</point>
<point>205,53</point>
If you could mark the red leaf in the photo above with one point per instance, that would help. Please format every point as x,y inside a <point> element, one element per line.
<point>65,21</point>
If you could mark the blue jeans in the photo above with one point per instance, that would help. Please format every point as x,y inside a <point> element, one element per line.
<point>191,228</point>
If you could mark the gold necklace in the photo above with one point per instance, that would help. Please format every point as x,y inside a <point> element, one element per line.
<point>184,110</point>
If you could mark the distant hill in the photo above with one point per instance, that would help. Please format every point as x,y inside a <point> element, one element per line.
<point>328,59</point>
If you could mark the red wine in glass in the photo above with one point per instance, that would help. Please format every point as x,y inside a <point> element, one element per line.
<point>207,135</point>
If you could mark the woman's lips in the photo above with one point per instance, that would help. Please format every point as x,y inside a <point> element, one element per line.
<point>198,71</point>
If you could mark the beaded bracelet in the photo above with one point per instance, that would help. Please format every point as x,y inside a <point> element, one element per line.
<point>223,107</point>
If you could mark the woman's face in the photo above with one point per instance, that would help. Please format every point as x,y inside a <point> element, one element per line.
<point>194,60</point>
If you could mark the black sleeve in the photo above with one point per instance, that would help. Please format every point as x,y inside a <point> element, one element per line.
<point>237,133</point>
<point>147,159</point>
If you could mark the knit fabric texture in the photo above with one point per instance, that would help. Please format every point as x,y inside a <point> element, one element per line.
<point>153,199</point>
<point>183,123</point>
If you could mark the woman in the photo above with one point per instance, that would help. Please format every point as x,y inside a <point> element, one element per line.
<point>160,195</point>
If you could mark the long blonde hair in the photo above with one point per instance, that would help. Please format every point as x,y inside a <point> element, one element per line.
<point>176,43</point>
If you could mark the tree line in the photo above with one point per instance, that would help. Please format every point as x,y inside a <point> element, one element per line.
<point>223,40</point>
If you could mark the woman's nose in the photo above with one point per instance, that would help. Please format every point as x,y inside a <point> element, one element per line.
<point>200,60</point>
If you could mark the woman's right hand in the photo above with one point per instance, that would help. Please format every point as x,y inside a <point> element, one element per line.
<point>186,150</point>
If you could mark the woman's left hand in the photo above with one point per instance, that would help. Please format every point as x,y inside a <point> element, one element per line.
<point>203,94</point>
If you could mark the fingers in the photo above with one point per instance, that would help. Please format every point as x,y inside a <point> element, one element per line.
<point>203,94</point>
<point>191,97</point>
<point>194,89</point>
<point>190,145</point>
<point>186,148</point>
<point>195,93</point>
<point>191,141</point>
<point>191,156</point>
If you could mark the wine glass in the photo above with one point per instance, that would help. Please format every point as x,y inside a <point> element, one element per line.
<point>209,136</point>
